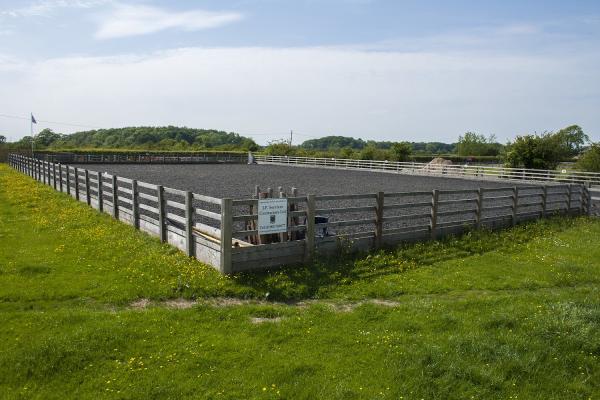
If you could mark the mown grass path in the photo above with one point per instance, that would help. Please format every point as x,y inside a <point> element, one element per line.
<point>503,315</point>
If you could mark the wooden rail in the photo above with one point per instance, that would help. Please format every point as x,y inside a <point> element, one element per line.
<point>464,171</point>
<point>144,158</point>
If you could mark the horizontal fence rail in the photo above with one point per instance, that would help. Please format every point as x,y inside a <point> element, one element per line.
<point>144,158</point>
<point>465,171</point>
<point>224,233</point>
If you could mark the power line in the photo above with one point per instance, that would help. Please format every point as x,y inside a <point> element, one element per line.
<point>50,122</point>
<point>279,134</point>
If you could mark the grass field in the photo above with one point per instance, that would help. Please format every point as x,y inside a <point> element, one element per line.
<point>91,308</point>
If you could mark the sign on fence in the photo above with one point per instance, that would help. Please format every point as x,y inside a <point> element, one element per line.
<point>272,216</point>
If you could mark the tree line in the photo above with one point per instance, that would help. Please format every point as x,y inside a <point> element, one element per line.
<point>146,138</point>
<point>536,151</point>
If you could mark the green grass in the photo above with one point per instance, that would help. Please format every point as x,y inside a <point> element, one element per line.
<point>513,314</point>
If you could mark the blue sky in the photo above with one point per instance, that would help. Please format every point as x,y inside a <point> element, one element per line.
<point>385,70</point>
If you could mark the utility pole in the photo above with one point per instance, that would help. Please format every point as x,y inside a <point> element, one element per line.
<point>291,137</point>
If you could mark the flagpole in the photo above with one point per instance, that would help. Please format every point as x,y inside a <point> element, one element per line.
<point>31,131</point>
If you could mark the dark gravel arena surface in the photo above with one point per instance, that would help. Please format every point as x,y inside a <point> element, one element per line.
<point>238,181</point>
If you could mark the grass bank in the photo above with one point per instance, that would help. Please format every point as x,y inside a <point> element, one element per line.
<point>94,309</point>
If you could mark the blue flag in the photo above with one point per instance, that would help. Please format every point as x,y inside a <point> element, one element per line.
<point>33,121</point>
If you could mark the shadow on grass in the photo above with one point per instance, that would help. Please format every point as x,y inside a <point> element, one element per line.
<point>308,281</point>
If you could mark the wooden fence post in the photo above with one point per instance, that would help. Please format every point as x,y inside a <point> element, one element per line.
<point>479,204</point>
<point>189,224</point>
<point>135,209</point>
<point>100,192</point>
<point>515,205</point>
<point>68,176</point>
<point>283,237</point>
<point>544,201</point>
<point>86,176</point>
<point>115,198</point>
<point>54,175</point>
<point>162,226</point>
<point>581,199</point>
<point>60,178</point>
<point>569,194</point>
<point>294,220</point>
<point>434,209</point>
<point>310,228</point>
<point>379,220</point>
<point>76,173</point>
<point>226,229</point>
<point>590,202</point>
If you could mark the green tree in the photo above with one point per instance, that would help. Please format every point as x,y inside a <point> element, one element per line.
<point>544,151</point>
<point>590,159</point>
<point>573,138</point>
<point>279,148</point>
<point>474,144</point>
<point>401,151</point>
<point>2,139</point>
<point>46,137</point>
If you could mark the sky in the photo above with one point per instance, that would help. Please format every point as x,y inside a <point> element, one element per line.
<point>375,69</point>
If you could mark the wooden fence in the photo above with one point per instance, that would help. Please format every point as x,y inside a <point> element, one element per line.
<point>144,158</point>
<point>221,232</point>
<point>463,171</point>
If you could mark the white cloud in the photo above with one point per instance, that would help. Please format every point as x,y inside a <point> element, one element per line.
<point>45,7</point>
<point>130,20</point>
<point>383,95</point>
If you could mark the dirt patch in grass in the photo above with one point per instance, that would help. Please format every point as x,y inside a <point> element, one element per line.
<point>261,320</point>
<point>180,304</point>
<point>140,304</point>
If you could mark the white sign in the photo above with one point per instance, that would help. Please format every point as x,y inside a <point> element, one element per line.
<point>272,216</point>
